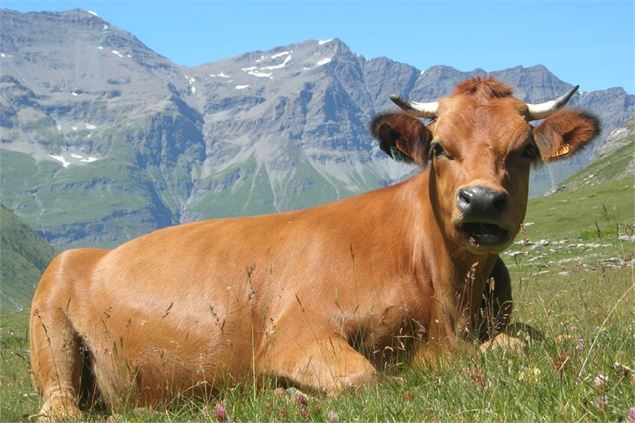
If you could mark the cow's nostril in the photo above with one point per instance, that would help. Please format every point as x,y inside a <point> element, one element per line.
<point>464,198</point>
<point>499,202</point>
<point>479,202</point>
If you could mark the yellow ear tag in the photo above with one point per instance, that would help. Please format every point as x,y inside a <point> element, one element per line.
<point>562,151</point>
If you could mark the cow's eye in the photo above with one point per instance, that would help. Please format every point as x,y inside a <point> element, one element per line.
<point>436,150</point>
<point>530,152</point>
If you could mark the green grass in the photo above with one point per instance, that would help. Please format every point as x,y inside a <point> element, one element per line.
<point>23,257</point>
<point>579,290</point>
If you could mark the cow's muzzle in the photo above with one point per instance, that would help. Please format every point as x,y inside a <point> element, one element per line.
<point>484,234</point>
<point>481,209</point>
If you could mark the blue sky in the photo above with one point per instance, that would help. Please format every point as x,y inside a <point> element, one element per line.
<point>591,43</point>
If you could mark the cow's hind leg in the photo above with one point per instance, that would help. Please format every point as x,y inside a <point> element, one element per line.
<point>57,359</point>
<point>56,363</point>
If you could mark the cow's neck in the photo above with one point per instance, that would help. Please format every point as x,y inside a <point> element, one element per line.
<point>456,275</point>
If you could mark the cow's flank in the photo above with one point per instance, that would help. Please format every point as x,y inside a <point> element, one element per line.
<point>319,298</point>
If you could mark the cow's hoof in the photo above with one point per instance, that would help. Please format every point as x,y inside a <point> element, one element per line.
<point>354,381</point>
<point>294,393</point>
<point>58,409</point>
<point>525,332</point>
<point>504,343</point>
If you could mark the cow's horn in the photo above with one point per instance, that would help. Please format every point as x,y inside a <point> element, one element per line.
<point>542,110</point>
<point>426,110</point>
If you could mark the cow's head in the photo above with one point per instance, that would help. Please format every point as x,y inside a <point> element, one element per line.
<point>479,148</point>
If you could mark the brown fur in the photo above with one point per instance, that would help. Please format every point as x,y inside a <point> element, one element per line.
<point>403,132</point>
<point>319,297</point>
<point>565,132</point>
<point>484,87</point>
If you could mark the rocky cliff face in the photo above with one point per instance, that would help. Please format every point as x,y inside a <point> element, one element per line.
<point>103,139</point>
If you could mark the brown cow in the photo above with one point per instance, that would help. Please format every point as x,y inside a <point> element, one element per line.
<point>321,297</point>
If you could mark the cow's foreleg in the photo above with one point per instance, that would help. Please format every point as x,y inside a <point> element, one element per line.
<point>496,307</point>
<point>326,364</point>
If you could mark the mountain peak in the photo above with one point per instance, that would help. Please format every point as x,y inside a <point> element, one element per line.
<point>135,142</point>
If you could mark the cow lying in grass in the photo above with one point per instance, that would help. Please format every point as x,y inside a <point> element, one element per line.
<point>321,297</point>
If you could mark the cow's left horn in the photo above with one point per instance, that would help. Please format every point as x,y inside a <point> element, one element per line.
<point>426,110</point>
<point>542,110</point>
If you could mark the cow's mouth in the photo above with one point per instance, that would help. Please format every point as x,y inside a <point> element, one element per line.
<point>484,234</point>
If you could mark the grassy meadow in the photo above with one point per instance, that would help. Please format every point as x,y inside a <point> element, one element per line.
<point>572,271</point>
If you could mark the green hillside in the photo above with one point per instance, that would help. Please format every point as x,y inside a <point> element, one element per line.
<point>23,257</point>
<point>588,223</point>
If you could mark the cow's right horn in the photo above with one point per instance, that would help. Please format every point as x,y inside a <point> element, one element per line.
<point>542,110</point>
<point>426,110</point>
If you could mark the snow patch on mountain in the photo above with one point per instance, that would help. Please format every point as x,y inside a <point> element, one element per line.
<point>67,159</point>
<point>60,159</point>
<point>324,61</point>
<point>282,53</point>
<point>264,71</point>
<point>253,71</point>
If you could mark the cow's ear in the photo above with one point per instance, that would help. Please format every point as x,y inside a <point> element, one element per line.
<point>402,136</point>
<point>565,132</point>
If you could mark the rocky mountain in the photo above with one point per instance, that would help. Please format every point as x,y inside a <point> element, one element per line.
<point>23,257</point>
<point>103,139</point>
<point>615,160</point>
<point>618,138</point>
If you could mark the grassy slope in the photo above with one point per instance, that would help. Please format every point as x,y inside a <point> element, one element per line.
<point>23,257</point>
<point>106,193</point>
<point>579,290</point>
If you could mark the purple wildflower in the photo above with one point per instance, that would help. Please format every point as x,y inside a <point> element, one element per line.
<point>600,381</point>
<point>220,413</point>
<point>601,402</point>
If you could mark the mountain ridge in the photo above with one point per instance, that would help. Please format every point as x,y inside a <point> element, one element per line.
<point>104,139</point>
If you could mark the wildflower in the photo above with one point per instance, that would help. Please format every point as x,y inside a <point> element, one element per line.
<point>600,381</point>
<point>631,415</point>
<point>220,413</point>
<point>334,418</point>
<point>304,412</point>
<point>579,345</point>
<point>303,401</point>
<point>479,378</point>
<point>530,375</point>
<point>601,402</point>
